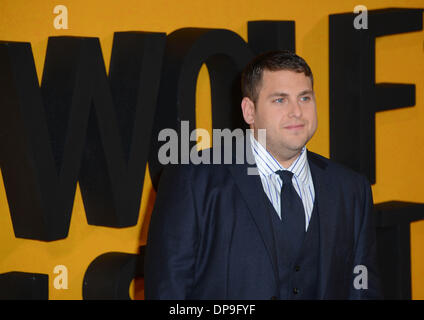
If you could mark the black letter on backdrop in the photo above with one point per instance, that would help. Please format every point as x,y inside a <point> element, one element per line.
<point>79,126</point>
<point>354,95</point>
<point>109,276</point>
<point>21,285</point>
<point>266,36</point>
<point>393,221</point>
<point>225,55</point>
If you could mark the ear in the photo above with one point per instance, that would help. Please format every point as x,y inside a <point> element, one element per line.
<point>248,108</point>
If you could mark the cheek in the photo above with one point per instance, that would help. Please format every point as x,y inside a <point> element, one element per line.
<point>268,119</point>
<point>311,115</point>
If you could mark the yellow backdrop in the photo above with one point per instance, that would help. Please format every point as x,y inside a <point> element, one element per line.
<point>399,133</point>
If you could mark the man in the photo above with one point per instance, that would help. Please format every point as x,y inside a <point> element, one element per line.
<point>300,229</point>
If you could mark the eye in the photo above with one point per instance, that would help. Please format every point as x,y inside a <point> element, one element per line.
<point>279,100</point>
<point>305,98</point>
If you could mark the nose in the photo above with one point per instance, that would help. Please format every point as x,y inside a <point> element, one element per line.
<point>295,110</point>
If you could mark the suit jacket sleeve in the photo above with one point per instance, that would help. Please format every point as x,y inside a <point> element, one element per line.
<point>172,239</point>
<point>366,281</point>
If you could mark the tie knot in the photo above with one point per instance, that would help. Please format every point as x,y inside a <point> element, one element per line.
<point>285,175</point>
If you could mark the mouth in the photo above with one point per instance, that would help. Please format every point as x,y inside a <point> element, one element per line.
<point>294,127</point>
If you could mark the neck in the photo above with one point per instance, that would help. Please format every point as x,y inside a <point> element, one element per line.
<point>286,162</point>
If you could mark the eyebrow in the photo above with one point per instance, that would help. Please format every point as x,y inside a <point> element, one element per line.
<point>283,94</point>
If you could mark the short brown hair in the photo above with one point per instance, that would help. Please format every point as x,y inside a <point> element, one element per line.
<point>251,77</point>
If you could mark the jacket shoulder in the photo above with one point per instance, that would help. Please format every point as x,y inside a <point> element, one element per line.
<point>332,167</point>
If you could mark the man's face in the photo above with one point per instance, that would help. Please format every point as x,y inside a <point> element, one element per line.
<point>286,108</point>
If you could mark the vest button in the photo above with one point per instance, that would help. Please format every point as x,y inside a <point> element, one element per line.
<point>295,290</point>
<point>297,268</point>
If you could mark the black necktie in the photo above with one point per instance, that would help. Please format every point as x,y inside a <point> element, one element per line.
<point>292,213</point>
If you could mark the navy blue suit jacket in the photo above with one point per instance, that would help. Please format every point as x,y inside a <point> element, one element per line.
<point>210,235</point>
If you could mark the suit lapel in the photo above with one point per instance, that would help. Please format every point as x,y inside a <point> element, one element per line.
<point>251,189</point>
<point>327,218</point>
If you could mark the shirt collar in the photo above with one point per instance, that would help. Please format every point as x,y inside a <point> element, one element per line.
<point>268,165</point>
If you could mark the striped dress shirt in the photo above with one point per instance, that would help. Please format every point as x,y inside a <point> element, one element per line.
<point>271,182</point>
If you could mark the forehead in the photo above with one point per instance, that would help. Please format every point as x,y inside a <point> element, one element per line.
<point>285,81</point>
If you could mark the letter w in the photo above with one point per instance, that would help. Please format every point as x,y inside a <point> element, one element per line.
<point>81,125</point>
